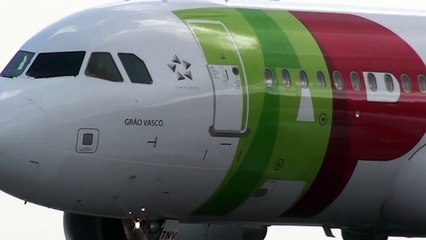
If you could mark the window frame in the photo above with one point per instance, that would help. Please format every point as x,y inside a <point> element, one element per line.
<point>338,80</point>
<point>372,82</point>
<point>421,79</point>
<point>129,72</point>
<point>269,82</point>
<point>405,83</point>
<point>13,66</point>
<point>98,76</point>
<point>303,79</point>
<point>34,70</point>
<point>355,81</point>
<point>321,80</point>
<point>286,84</point>
<point>389,80</point>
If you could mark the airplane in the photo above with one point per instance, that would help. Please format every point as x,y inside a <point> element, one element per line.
<point>215,119</point>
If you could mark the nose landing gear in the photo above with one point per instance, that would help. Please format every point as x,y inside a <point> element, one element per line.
<point>136,229</point>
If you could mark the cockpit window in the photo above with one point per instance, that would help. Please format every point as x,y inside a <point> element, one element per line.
<point>101,65</point>
<point>18,64</point>
<point>57,64</point>
<point>135,68</point>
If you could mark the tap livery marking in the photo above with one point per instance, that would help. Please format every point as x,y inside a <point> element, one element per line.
<point>282,42</point>
<point>311,42</point>
<point>214,112</point>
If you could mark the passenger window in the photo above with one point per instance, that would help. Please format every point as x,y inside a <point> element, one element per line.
<point>320,79</point>
<point>135,68</point>
<point>18,64</point>
<point>286,78</point>
<point>356,84</point>
<point>269,80</point>
<point>422,83</point>
<point>372,82</point>
<point>58,64</point>
<point>304,83</point>
<point>405,81</point>
<point>338,80</point>
<point>102,65</point>
<point>389,83</point>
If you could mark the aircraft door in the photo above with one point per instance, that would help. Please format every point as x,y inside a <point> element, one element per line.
<point>228,77</point>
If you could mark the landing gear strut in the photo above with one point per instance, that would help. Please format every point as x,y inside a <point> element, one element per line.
<point>142,230</point>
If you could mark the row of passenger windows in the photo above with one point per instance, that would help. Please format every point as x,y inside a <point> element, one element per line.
<point>68,64</point>
<point>303,81</point>
<point>287,80</point>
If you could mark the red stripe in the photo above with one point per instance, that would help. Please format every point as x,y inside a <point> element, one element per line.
<point>384,131</point>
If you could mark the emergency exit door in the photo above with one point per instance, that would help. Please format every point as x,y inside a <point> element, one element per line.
<point>228,77</point>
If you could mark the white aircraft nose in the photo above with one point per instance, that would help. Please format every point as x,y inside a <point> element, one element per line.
<point>23,137</point>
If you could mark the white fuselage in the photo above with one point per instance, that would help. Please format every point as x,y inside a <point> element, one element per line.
<point>153,147</point>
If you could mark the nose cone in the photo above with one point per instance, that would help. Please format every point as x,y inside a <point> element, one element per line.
<point>23,134</point>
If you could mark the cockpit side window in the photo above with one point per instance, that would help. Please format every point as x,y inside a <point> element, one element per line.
<point>18,64</point>
<point>101,65</point>
<point>57,64</point>
<point>135,68</point>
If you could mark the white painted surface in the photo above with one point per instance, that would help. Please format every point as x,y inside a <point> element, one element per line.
<point>306,108</point>
<point>381,93</point>
<point>229,98</point>
<point>21,19</point>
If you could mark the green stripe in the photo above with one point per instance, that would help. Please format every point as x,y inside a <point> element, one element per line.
<point>250,50</point>
<point>276,47</point>
<point>239,185</point>
<point>274,40</point>
<point>302,145</point>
